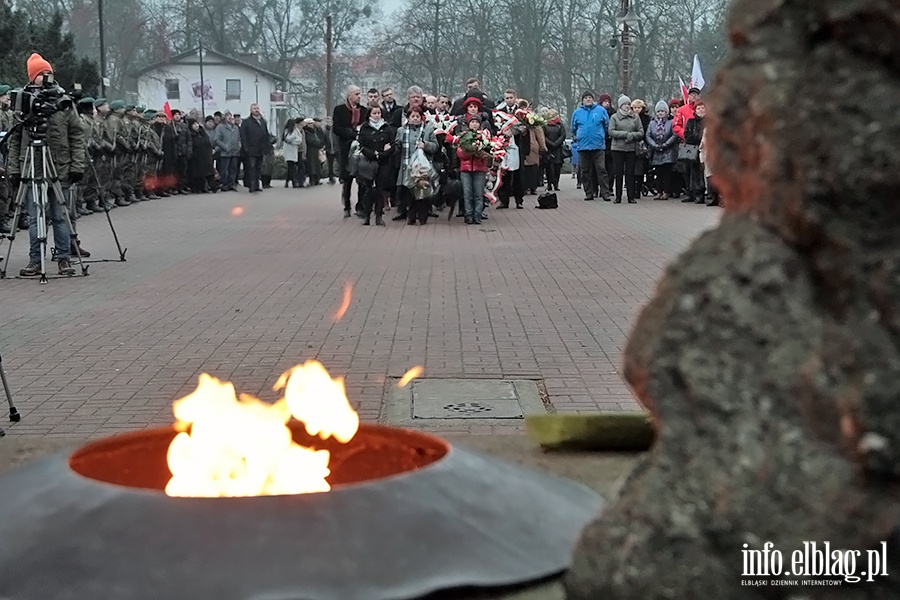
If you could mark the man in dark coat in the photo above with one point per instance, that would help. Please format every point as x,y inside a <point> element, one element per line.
<point>473,90</point>
<point>255,143</point>
<point>346,119</point>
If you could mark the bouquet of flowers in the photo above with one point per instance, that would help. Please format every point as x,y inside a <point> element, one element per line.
<point>530,118</point>
<point>503,121</point>
<point>421,179</point>
<point>442,123</point>
<point>477,143</point>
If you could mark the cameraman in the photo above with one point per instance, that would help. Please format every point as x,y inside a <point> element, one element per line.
<point>65,140</point>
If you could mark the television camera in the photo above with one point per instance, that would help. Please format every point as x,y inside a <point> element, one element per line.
<point>33,105</point>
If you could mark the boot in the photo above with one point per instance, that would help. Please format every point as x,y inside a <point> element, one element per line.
<point>379,222</point>
<point>346,213</point>
<point>368,220</point>
<point>65,267</point>
<point>92,207</point>
<point>31,270</point>
<point>5,224</point>
<point>76,245</point>
<point>23,222</point>
<point>120,201</point>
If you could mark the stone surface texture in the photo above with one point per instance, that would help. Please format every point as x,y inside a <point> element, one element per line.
<point>770,355</point>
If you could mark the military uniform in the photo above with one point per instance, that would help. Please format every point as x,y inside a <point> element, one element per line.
<point>154,155</point>
<point>118,132</point>
<point>6,194</point>
<point>104,157</point>
<point>88,190</point>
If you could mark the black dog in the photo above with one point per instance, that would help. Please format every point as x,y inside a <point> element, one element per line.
<point>451,194</point>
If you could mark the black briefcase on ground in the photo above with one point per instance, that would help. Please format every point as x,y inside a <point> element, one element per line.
<point>547,200</point>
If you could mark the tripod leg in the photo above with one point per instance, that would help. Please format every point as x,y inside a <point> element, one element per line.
<point>14,415</point>
<point>60,197</point>
<point>101,195</point>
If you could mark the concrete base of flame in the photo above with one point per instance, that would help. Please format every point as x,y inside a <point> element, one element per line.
<point>29,543</point>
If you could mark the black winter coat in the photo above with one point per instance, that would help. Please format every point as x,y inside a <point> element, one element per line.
<point>372,142</point>
<point>693,131</point>
<point>555,137</point>
<point>169,142</point>
<point>255,138</point>
<point>201,162</point>
<point>342,125</point>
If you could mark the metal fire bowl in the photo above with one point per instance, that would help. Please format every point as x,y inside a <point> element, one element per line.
<point>465,519</point>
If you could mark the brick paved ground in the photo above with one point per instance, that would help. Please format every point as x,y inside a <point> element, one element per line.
<point>529,294</point>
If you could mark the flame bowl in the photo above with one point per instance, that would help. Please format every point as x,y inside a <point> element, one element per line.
<point>407,515</point>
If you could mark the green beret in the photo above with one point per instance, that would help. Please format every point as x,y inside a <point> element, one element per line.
<point>117,104</point>
<point>140,109</point>
<point>4,89</point>
<point>99,102</point>
<point>86,100</point>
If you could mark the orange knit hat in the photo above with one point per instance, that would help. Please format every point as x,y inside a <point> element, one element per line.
<point>37,65</point>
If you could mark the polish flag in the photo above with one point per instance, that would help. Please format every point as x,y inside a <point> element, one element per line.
<point>697,80</point>
<point>684,90</point>
<point>168,110</point>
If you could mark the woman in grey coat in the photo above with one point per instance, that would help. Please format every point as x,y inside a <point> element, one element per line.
<point>625,131</point>
<point>663,142</point>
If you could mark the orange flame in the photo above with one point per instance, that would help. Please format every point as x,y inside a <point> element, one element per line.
<point>410,375</point>
<point>244,447</point>
<point>345,304</point>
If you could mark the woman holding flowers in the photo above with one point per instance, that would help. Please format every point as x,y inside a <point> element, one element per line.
<point>474,153</point>
<point>537,147</point>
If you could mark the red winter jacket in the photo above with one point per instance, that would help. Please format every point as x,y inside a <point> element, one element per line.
<point>682,116</point>
<point>469,163</point>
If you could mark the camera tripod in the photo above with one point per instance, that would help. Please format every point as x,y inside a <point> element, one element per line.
<point>14,415</point>
<point>40,185</point>
<point>105,205</point>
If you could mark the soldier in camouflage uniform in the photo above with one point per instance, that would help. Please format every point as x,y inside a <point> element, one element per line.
<point>105,155</point>
<point>132,162</point>
<point>119,132</point>
<point>154,155</point>
<point>6,195</point>
<point>89,189</point>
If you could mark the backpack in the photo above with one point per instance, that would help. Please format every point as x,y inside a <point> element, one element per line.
<point>547,200</point>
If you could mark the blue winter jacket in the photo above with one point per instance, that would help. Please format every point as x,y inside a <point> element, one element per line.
<point>589,126</point>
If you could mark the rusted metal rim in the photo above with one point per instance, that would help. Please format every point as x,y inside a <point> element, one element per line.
<point>465,519</point>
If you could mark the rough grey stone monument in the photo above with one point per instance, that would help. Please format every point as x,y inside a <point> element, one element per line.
<point>770,356</point>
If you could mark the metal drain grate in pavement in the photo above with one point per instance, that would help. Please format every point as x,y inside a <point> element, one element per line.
<point>468,408</point>
<point>434,402</point>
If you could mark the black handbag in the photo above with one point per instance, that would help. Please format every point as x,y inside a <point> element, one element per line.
<point>366,168</point>
<point>689,152</point>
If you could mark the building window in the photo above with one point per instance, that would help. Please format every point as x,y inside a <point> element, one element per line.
<point>173,92</point>
<point>232,89</point>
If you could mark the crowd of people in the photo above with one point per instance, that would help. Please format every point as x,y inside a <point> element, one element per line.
<point>429,154</point>
<point>480,151</point>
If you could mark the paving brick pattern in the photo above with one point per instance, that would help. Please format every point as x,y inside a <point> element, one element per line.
<point>529,294</point>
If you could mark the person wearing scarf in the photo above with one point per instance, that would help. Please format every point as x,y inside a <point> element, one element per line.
<point>555,137</point>
<point>376,142</point>
<point>663,143</point>
<point>346,119</point>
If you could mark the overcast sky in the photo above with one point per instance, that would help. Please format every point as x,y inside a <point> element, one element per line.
<point>389,6</point>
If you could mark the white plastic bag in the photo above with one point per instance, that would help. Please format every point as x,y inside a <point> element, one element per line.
<point>421,177</point>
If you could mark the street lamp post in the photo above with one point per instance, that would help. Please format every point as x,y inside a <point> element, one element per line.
<point>202,91</point>
<point>256,83</point>
<point>628,20</point>
<point>329,65</point>
<point>102,50</point>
